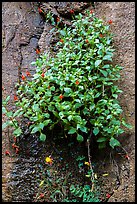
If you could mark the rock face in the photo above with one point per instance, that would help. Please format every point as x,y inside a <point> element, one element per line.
<point>61,10</point>
<point>23,30</point>
<point>64,8</point>
<point>123,16</point>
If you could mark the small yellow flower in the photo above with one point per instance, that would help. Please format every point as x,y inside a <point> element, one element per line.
<point>87,163</point>
<point>88,176</point>
<point>95,176</point>
<point>104,174</point>
<point>41,183</point>
<point>49,160</point>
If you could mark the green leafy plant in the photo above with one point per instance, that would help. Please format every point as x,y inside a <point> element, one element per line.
<point>76,90</point>
<point>84,193</point>
<point>12,117</point>
<point>50,18</point>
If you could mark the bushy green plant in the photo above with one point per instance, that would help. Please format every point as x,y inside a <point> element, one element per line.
<point>76,89</point>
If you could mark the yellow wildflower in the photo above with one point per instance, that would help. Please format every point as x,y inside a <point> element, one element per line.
<point>104,174</point>
<point>87,163</point>
<point>49,160</point>
<point>87,175</point>
<point>41,183</point>
<point>95,176</point>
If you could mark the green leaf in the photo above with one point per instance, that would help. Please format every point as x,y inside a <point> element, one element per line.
<point>65,121</point>
<point>107,57</point>
<point>72,131</point>
<point>109,83</point>
<point>67,107</point>
<point>94,77</point>
<point>36,76</point>
<point>120,131</point>
<point>35,107</point>
<point>77,118</point>
<point>92,106</point>
<point>114,142</point>
<point>4,110</point>
<point>67,90</point>
<point>109,117</point>
<point>102,139</point>
<point>17,132</point>
<point>61,114</point>
<point>115,95</point>
<point>46,115</point>
<point>4,125</point>
<point>72,188</point>
<point>126,125</point>
<point>56,114</point>
<point>51,108</point>
<point>9,114</point>
<point>106,66</point>
<point>48,93</point>
<point>46,122</point>
<point>62,32</point>
<point>7,99</point>
<point>52,88</point>
<point>80,138</point>
<point>42,137</point>
<point>96,40</point>
<point>97,63</point>
<point>82,128</point>
<point>97,95</point>
<point>70,117</point>
<point>92,121</point>
<point>35,118</point>
<point>99,85</point>
<point>78,100</point>
<point>108,42</point>
<point>18,113</point>
<point>41,126</point>
<point>119,91</point>
<point>80,158</point>
<point>3,102</point>
<point>89,68</point>
<point>62,83</point>
<point>110,130</point>
<point>77,105</point>
<point>81,194</point>
<point>35,129</point>
<point>104,72</point>
<point>33,63</point>
<point>78,126</point>
<point>41,89</point>
<point>96,130</point>
<point>86,111</point>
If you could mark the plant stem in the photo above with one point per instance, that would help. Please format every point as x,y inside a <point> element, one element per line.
<point>89,157</point>
<point>103,90</point>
